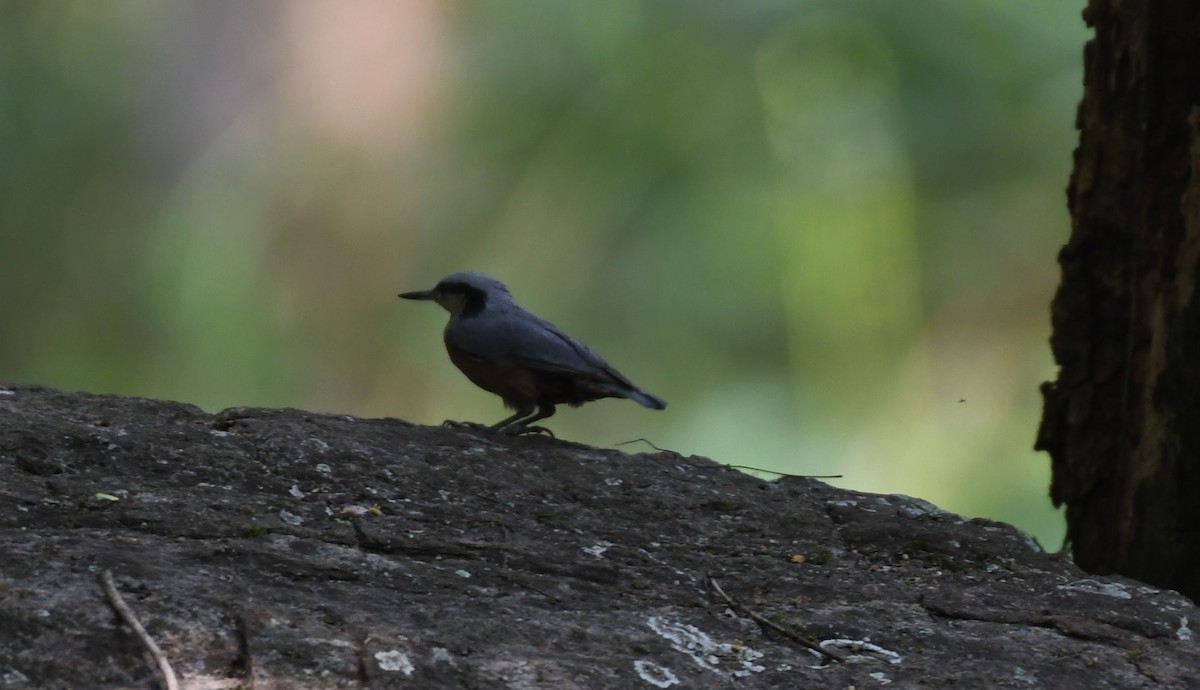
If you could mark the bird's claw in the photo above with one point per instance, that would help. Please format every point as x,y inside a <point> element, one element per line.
<point>511,429</point>
<point>455,424</point>
<point>536,430</point>
<point>521,430</point>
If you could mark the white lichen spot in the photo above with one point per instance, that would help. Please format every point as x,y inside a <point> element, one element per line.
<point>1030,543</point>
<point>295,491</point>
<point>705,651</point>
<point>881,678</point>
<point>597,550</point>
<point>464,574</point>
<point>916,509</point>
<point>317,443</point>
<point>1183,633</point>
<point>441,655</point>
<point>5,391</point>
<point>218,433</point>
<point>1108,589</point>
<point>12,676</point>
<point>324,469</point>
<point>612,481</point>
<point>291,518</point>
<point>1022,676</point>
<point>687,639</point>
<point>652,673</point>
<point>395,660</point>
<point>42,613</point>
<point>857,649</point>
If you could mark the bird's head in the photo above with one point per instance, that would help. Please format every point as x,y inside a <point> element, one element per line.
<point>463,294</point>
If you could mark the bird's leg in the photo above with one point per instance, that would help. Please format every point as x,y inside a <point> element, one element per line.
<point>522,427</point>
<point>523,410</point>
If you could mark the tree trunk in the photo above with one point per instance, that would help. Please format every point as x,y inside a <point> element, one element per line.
<point>1122,422</point>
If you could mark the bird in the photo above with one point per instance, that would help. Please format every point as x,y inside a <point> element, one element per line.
<point>527,361</point>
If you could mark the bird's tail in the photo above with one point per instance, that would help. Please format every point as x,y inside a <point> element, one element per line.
<point>620,387</point>
<point>644,399</point>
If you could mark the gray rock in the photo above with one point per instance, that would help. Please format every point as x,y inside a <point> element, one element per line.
<point>285,549</point>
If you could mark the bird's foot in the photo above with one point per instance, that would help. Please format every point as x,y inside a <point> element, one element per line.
<point>523,430</point>
<point>454,424</point>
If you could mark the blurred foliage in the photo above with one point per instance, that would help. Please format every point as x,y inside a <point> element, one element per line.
<point>825,232</point>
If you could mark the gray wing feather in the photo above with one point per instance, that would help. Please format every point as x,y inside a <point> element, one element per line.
<point>517,336</point>
<point>531,341</point>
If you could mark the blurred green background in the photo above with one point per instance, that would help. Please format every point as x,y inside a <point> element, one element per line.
<point>824,231</point>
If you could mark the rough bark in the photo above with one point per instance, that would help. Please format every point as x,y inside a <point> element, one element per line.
<point>475,560</point>
<point>1122,421</point>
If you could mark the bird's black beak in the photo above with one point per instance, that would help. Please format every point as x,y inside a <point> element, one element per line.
<point>419,294</point>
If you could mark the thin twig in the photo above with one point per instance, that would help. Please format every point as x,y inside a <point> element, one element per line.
<point>118,604</point>
<point>834,654</point>
<point>781,474</point>
<point>531,588</point>
<point>635,440</point>
<point>760,469</point>
<point>734,467</point>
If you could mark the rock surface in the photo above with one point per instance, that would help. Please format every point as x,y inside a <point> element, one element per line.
<point>284,549</point>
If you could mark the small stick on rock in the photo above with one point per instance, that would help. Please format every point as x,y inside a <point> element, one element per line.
<point>835,654</point>
<point>647,442</point>
<point>118,604</point>
<point>733,467</point>
<point>781,474</point>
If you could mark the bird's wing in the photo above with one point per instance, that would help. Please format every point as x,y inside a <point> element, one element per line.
<point>531,342</point>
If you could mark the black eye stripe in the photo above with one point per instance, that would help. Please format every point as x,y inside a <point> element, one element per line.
<point>474,299</point>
